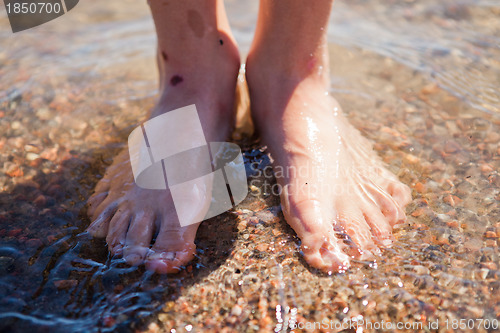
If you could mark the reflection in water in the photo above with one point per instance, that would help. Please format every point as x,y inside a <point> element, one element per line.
<point>69,100</point>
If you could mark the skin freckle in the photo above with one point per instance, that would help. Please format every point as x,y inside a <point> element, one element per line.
<point>175,80</point>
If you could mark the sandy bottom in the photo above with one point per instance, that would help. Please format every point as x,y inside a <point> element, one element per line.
<point>65,114</point>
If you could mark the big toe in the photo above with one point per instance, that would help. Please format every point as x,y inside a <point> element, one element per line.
<point>170,261</point>
<point>172,249</point>
<point>312,221</point>
<point>325,253</point>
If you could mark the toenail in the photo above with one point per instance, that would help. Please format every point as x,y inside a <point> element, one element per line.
<point>117,250</point>
<point>162,256</point>
<point>133,258</point>
<point>386,242</point>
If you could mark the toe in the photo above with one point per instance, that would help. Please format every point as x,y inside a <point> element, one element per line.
<point>380,227</point>
<point>138,238</point>
<point>325,252</point>
<point>94,201</point>
<point>118,227</point>
<point>100,226</point>
<point>103,185</point>
<point>400,192</point>
<point>312,220</point>
<point>170,261</point>
<point>173,247</point>
<point>388,206</point>
<point>355,225</point>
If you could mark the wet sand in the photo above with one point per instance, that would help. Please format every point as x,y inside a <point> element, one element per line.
<point>67,108</point>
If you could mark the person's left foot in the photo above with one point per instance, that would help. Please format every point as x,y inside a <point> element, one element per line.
<point>335,192</point>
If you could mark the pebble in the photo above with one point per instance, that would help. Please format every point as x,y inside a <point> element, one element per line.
<point>262,247</point>
<point>43,114</point>
<point>34,243</point>
<point>15,232</point>
<point>108,321</point>
<point>31,148</point>
<point>15,125</point>
<point>32,156</point>
<point>65,284</point>
<point>236,310</point>
<point>451,146</point>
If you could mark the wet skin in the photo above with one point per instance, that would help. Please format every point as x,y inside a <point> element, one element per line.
<point>344,202</point>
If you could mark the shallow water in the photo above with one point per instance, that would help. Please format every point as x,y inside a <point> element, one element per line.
<point>420,79</point>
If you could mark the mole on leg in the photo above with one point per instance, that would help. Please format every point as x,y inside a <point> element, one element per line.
<point>175,80</point>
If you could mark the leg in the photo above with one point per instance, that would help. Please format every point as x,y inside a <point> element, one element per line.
<point>198,64</point>
<point>336,193</point>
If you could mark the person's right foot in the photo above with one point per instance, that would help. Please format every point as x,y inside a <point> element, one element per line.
<point>142,224</point>
<point>332,182</point>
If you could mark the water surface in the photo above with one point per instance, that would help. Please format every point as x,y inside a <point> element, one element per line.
<point>418,78</point>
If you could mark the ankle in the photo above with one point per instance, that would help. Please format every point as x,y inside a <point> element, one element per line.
<point>282,64</point>
<point>202,65</point>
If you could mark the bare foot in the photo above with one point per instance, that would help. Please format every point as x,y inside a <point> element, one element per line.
<point>196,67</point>
<point>336,193</point>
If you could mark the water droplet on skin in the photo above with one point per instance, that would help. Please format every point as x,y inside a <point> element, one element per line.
<point>320,70</point>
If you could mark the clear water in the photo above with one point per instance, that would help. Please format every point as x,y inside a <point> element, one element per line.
<point>421,79</point>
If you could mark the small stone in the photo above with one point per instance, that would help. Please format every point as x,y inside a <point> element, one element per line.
<point>486,168</point>
<point>15,232</point>
<point>153,328</point>
<point>236,311</point>
<point>43,114</point>
<point>490,234</point>
<point>261,247</point>
<point>32,156</point>
<point>419,187</point>
<point>34,243</point>
<point>451,147</point>
<point>411,159</point>
<point>15,125</point>
<point>29,148</point>
<point>108,321</point>
<point>483,273</point>
<point>430,89</point>
<point>65,284</point>
<point>452,200</point>
<point>489,265</point>
<point>40,201</point>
